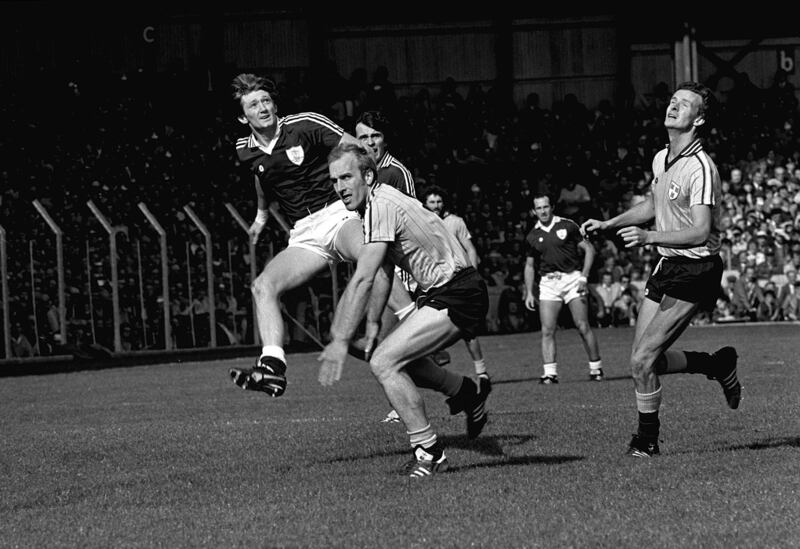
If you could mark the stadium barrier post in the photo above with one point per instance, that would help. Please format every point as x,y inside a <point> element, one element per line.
<point>142,310</point>
<point>62,302</point>
<point>232,291</point>
<point>189,296</point>
<point>112,256</point>
<point>36,346</point>
<point>253,272</point>
<point>4,293</point>
<point>212,308</point>
<point>90,293</point>
<point>162,240</point>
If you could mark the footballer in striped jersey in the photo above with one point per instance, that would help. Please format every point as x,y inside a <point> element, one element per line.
<point>398,230</point>
<point>685,203</point>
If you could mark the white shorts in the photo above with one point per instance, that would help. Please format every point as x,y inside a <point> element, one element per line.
<point>559,286</point>
<point>317,232</point>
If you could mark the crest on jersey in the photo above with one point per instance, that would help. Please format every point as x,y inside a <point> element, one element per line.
<point>561,233</point>
<point>674,190</point>
<point>295,154</point>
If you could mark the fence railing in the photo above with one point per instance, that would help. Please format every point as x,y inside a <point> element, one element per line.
<point>103,328</point>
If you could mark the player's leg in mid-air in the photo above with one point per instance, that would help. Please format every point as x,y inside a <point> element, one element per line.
<point>325,237</point>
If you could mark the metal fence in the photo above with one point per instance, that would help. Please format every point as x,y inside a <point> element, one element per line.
<point>139,292</point>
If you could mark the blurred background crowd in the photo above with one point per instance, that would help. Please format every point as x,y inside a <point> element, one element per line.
<point>165,141</point>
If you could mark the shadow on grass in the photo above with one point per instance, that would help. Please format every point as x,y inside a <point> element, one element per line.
<point>489,445</point>
<point>510,381</point>
<point>517,460</point>
<point>791,442</point>
<point>561,382</point>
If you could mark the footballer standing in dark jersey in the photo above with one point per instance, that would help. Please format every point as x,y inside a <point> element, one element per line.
<point>554,257</point>
<point>288,158</point>
<point>685,200</point>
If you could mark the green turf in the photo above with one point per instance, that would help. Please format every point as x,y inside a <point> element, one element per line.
<point>174,455</point>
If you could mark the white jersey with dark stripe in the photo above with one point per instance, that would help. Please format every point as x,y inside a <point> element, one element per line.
<point>392,172</point>
<point>688,180</point>
<point>418,240</point>
<point>295,170</point>
<point>555,247</point>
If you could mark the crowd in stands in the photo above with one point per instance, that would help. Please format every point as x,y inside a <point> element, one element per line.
<point>164,141</point>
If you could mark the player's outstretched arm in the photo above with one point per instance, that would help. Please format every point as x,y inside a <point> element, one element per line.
<point>350,311</point>
<point>640,213</point>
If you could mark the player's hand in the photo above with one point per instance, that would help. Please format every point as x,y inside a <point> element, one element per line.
<point>633,236</point>
<point>332,358</point>
<point>592,226</point>
<point>255,230</point>
<point>530,302</point>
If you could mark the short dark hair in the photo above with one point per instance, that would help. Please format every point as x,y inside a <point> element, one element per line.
<point>245,83</point>
<point>363,158</point>
<point>377,121</point>
<point>435,189</point>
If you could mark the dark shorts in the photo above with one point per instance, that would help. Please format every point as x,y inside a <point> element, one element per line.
<point>466,299</point>
<point>692,280</point>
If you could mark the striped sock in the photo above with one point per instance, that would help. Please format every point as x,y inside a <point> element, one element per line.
<point>480,366</point>
<point>424,437</point>
<point>648,402</point>
<point>648,405</point>
<point>551,368</point>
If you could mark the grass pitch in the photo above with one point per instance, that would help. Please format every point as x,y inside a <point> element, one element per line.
<point>174,455</point>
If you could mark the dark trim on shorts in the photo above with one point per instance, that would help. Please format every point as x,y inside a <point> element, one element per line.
<point>696,280</point>
<point>466,299</point>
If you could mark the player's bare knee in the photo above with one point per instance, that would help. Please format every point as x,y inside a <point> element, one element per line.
<point>642,363</point>
<point>381,367</point>
<point>583,327</point>
<point>264,287</point>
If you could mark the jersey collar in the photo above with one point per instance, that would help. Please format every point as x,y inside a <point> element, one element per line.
<point>254,143</point>
<point>553,221</point>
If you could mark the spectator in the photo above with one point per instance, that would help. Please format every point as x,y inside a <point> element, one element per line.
<point>606,293</point>
<point>573,199</point>
<point>788,300</point>
<point>747,295</point>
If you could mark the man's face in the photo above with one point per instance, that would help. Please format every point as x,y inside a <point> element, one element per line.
<point>434,203</point>
<point>543,210</point>
<point>372,139</point>
<point>351,186</point>
<point>682,111</point>
<point>259,110</point>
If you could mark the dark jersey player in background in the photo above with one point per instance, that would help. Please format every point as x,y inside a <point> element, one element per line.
<point>554,246</point>
<point>374,131</point>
